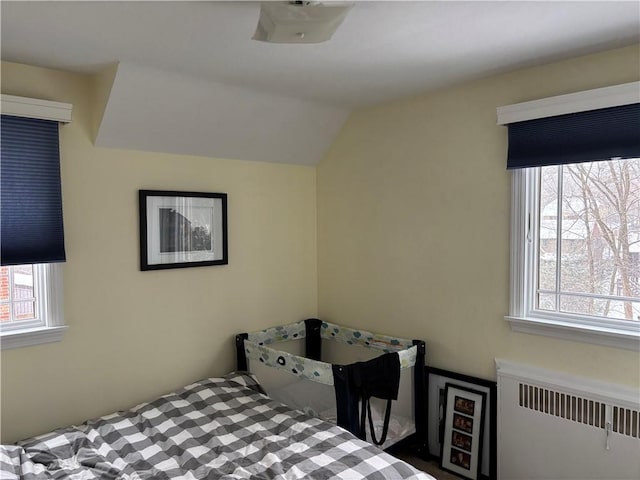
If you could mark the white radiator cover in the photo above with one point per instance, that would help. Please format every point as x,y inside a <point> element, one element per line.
<point>556,426</point>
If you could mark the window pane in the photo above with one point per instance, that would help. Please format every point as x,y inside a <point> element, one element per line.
<point>547,255</point>
<point>4,284</point>
<point>599,208</point>
<point>24,310</point>
<point>5,312</point>
<point>575,275</point>
<point>22,282</point>
<point>547,301</point>
<point>17,293</point>
<point>618,309</point>
<point>581,305</point>
<point>600,307</point>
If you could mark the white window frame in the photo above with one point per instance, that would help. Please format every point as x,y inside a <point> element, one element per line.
<point>523,317</point>
<point>49,325</point>
<point>47,277</point>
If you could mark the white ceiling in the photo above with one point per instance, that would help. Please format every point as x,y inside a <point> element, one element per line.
<point>192,81</point>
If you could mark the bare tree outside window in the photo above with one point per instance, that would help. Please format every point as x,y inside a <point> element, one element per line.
<point>589,239</point>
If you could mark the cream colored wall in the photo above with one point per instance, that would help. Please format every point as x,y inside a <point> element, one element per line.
<point>413,223</point>
<point>134,335</point>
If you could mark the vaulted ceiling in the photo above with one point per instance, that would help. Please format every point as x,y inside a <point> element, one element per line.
<point>185,77</point>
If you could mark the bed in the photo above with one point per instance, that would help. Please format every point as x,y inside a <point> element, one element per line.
<point>334,373</point>
<point>219,428</point>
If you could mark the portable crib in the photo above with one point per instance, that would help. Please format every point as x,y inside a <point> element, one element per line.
<point>305,379</point>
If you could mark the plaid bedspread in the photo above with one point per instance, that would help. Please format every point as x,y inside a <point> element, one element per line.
<point>214,429</point>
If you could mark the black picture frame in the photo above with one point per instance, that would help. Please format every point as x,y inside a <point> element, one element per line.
<point>436,379</point>
<point>461,448</point>
<point>182,229</point>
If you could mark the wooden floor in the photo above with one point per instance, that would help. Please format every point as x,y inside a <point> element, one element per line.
<point>430,467</point>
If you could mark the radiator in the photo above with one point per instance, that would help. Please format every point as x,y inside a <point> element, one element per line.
<point>556,426</point>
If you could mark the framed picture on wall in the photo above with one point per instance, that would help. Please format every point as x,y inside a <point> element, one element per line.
<point>461,450</point>
<point>437,379</point>
<point>182,229</point>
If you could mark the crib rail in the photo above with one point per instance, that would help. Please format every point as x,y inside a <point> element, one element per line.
<point>330,331</point>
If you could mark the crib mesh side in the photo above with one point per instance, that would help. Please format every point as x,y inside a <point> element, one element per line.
<point>313,394</point>
<point>403,419</point>
<point>277,359</point>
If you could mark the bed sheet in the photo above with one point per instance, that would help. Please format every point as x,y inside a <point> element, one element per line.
<point>220,428</point>
<point>319,400</point>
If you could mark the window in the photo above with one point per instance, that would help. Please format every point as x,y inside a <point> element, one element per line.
<point>31,230</point>
<point>577,261</point>
<point>588,239</point>
<point>575,225</point>
<point>30,304</point>
<point>18,296</point>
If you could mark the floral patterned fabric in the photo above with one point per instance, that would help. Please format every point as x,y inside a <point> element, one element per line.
<point>256,348</point>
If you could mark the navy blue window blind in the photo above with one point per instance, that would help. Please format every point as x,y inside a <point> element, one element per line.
<point>31,229</point>
<point>576,137</point>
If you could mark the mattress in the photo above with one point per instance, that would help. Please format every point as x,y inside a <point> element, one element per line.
<point>319,400</point>
<point>221,428</point>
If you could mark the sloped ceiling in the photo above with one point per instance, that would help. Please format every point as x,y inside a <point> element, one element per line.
<point>161,111</point>
<point>185,77</point>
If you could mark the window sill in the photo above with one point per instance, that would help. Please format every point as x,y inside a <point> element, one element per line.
<point>607,336</point>
<point>32,336</point>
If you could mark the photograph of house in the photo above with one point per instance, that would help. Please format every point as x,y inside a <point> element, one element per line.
<point>367,185</point>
